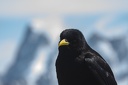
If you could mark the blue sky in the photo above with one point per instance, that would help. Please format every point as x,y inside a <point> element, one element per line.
<point>11,28</point>
<point>14,15</point>
<point>14,27</point>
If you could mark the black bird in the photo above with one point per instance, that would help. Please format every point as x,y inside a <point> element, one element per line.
<point>78,64</point>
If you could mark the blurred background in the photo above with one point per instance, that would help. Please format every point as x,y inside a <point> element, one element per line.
<point>29,35</point>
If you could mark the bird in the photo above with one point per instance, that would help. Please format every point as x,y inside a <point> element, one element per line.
<point>78,64</point>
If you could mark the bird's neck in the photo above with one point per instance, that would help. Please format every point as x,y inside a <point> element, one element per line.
<point>67,53</point>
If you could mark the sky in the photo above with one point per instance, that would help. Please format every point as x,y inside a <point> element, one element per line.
<point>15,15</point>
<point>39,7</point>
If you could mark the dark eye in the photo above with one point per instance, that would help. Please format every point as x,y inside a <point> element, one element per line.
<point>66,40</point>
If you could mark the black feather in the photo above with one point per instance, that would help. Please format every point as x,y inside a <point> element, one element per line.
<point>78,64</point>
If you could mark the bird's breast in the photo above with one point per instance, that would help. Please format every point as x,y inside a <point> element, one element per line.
<point>72,72</point>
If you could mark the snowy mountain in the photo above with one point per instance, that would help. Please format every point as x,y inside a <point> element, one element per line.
<point>26,54</point>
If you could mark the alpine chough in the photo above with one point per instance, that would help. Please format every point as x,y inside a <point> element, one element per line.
<point>78,64</point>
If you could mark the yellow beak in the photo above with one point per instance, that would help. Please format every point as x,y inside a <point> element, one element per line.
<point>63,42</point>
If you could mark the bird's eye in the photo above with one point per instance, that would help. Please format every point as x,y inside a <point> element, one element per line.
<point>66,40</point>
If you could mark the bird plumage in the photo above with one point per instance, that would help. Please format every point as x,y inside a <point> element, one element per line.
<point>78,64</point>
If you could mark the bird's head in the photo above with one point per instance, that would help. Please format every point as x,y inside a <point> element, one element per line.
<point>73,39</point>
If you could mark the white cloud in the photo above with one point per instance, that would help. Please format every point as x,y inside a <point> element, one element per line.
<point>27,7</point>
